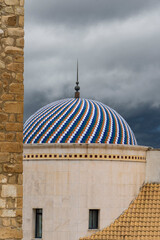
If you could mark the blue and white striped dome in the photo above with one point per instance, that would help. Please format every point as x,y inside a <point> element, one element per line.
<point>77,120</point>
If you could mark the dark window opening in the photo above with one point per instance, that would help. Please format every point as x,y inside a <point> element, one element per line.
<point>38,223</point>
<point>93,218</point>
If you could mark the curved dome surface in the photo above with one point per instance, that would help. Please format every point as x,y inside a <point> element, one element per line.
<point>77,121</point>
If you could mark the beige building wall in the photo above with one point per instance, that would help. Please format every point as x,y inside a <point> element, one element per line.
<point>66,180</point>
<point>11,117</point>
<point>153,166</point>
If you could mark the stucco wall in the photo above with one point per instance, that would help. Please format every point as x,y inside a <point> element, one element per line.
<point>66,189</point>
<point>153,166</point>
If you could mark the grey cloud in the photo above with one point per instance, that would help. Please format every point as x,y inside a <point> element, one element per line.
<point>146,124</point>
<point>75,12</point>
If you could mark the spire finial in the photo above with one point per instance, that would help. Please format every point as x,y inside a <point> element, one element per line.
<point>77,88</point>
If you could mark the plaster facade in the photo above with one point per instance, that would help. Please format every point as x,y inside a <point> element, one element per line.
<point>153,166</point>
<point>66,180</point>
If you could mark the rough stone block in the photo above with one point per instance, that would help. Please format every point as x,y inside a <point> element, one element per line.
<point>1,87</point>
<point>18,58</point>
<point>19,203</point>
<point>17,158</point>
<point>8,213</point>
<point>4,157</point>
<point>10,233</point>
<point>21,2</point>
<point>6,222</point>
<point>9,20</point>
<point>11,203</point>
<point>19,117</point>
<point>19,137</point>
<point>15,67</point>
<point>9,191</point>
<point>8,41</point>
<point>3,117</point>
<point>14,127</point>
<point>3,179</point>
<point>12,179</point>
<point>7,97</point>
<point>9,9</point>
<point>12,118</point>
<point>2,127</point>
<point>18,32</point>
<point>18,168</point>
<point>1,32</point>
<point>20,179</point>
<point>19,97</point>
<point>19,212</point>
<point>16,88</point>
<point>13,50</point>
<point>15,222</point>
<point>5,76</point>
<point>10,137</point>
<point>21,21</point>
<point>2,136</point>
<point>13,107</point>
<point>11,2</point>
<point>19,77</point>
<point>19,191</point>
<point>11,147</point>
<point>2,203</point>
<point>20,42</point>
<point>0,168</point>
<point>8,59</point>
<point>2,65</point>
<point>19,10</point>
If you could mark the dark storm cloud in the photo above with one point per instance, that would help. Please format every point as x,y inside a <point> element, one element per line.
<point>146,125</point>
<point>117,44</point>
<point>75,12</point>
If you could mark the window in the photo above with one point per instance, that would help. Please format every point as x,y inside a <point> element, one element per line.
<point>93,218</point>
<point>38,223</point>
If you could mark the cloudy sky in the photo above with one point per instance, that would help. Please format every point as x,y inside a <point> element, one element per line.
<point>117,43</point>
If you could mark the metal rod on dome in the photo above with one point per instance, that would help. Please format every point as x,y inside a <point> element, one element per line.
<point>77,88</point>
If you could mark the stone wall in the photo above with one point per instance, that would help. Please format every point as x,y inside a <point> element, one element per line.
<point>11,117</point>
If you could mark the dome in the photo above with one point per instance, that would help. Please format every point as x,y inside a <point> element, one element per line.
<point>77,120</point>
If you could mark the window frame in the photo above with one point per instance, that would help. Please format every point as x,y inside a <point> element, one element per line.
<point>94,215</point>
<point>38,223</point>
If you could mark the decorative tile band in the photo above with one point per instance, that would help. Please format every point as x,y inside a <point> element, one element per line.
<point>79,156</point>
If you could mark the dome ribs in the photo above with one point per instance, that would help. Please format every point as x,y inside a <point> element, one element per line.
<point>77,121</point>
